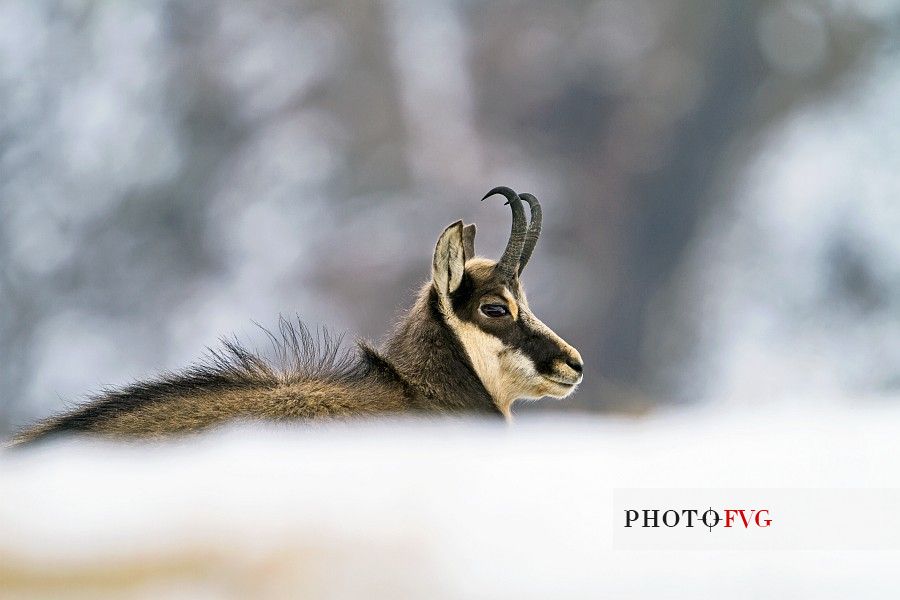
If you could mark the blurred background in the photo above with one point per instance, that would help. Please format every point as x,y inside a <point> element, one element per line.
<point>719,177</point>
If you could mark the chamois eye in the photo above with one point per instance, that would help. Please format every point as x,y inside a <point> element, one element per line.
<point>494,310</point>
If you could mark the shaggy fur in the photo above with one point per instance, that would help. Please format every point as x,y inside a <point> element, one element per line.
<point>310,378</point>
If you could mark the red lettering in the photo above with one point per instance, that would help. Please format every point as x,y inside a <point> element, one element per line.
<point>729,517</point>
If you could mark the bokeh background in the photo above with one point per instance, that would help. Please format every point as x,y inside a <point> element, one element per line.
<point>720,182</point>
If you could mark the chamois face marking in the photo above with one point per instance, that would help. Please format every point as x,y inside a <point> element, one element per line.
<point>513,353</point>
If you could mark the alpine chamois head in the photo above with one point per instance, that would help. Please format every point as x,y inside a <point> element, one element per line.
<point>482,301</point>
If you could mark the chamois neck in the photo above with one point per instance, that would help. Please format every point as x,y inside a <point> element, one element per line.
<point>426,352</point>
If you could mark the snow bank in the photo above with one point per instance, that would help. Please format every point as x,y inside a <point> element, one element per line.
<point>455,510</point>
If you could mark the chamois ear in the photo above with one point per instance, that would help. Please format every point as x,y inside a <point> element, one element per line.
<point>468,239</point>
<point>449,260</point>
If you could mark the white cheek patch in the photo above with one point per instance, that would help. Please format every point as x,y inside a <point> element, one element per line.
<point>518,364</point>
<point>484,351</point>
<point>506,373</point>
<point>519,378</point>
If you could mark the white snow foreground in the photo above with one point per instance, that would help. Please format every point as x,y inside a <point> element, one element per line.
<point>463,510</point>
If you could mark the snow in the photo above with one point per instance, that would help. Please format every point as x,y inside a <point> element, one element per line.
<point>421,509</point>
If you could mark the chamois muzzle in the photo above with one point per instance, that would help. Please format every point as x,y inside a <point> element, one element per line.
<point>508,265</point>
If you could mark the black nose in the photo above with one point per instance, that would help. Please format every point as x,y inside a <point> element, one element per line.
<point>576,365</point>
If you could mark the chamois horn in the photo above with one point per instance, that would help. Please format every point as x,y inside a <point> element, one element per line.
<point>534,229</point>
<point>508,264</point>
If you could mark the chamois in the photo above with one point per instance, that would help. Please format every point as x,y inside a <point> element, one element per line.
<point>469,345</point>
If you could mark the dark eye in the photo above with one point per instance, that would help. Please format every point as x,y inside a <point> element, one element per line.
<point>494,310</point>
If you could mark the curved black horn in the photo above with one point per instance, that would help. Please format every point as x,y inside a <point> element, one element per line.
<point>509,262</point>
<point>534,229</point>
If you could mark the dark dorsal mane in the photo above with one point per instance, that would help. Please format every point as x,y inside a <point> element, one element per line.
<point>298,355</point>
